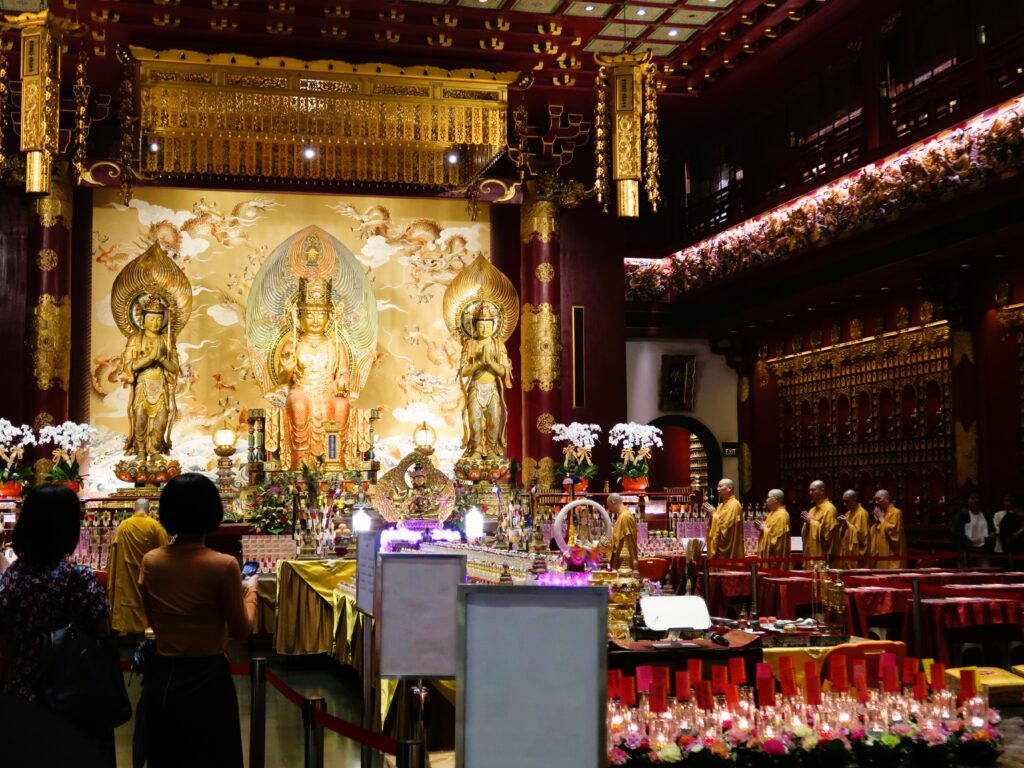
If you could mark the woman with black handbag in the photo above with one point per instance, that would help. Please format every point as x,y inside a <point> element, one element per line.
<point>52,612</point>
<point>195,600</point>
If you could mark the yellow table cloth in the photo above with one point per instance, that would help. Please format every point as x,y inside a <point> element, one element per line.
<point>306,620</point>
<point>800,655</point>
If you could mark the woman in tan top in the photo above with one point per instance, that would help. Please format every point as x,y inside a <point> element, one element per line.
<point>195,600</point>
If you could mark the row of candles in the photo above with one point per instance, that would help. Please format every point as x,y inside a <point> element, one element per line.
<point>712,708</point>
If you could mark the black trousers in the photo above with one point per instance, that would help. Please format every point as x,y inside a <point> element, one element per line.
<point>190,713</point>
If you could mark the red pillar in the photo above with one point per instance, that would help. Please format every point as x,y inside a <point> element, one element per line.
<point>48,306</point>
<point>540,335</point>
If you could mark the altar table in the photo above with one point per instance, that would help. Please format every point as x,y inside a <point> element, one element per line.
<point>306,616</point>
<point>722,587</point>
<point>940,614</point>
<point>626,655</point>
<point>779,596</point>
<point>864,603</point>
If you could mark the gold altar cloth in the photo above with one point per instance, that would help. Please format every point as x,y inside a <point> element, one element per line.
<point>306,616</point>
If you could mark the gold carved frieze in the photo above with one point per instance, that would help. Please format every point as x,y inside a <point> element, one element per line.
<point>46,260</point>
<point>50,342</point>
<point>541,347</point>
<point>238,116</point>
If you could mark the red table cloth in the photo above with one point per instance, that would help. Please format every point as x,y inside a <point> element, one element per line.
<point>779,596</point>
<point>903,579</point>
<point>864,603</point>
<point>998,591</point>
<point>940,614</point>
<point>722,587</point>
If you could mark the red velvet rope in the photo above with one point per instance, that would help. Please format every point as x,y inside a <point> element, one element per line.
<point>289,693</point>
<point>372,739</point>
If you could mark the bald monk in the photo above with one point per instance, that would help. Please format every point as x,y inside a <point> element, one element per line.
<point>821,529</point>
<point>623,533</point>
<point>133,538</point>
<point>886,535</point>
<point>774,539</point>
<point>853,537</point>
<point>725,533</point>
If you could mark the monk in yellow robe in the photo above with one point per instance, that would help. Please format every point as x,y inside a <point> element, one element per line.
<point>623,533</point>
<point>820,531</point>
<point>725,533</point>
<point>853,536</point>
<point>886,536</point>
<point>133,538</point>
<point>774,539</point>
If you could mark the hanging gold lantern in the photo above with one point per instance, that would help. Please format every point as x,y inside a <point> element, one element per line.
<point>626,139</point>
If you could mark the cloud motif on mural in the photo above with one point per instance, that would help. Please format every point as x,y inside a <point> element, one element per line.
<point>417,413</point>
<point>383,305</point>
<point>223,314</point>
<point>101,311</point>
<point>376,252</point>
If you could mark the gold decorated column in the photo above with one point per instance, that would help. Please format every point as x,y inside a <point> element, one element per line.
<point>540,331</point>
<point>40,96</point>
<point>48,305</point>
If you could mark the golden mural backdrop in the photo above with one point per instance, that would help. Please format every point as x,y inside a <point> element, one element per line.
<point>397,254</point>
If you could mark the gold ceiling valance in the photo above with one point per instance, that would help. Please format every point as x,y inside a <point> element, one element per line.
<point>239,116</point>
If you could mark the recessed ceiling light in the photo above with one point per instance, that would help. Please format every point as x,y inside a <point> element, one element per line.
<point>673,32</point>
<point>588,8</point>
<point>641,12</point>
<point>453,158</point>
<point>309,153</point>
<point>154,146</point>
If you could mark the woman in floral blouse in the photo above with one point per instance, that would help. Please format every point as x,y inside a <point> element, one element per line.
<point>42,592</point>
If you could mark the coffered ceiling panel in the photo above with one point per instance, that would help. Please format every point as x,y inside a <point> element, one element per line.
<point>693,42</point>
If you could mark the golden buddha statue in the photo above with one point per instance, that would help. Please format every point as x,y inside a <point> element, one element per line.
<point>151,300</point>
<point>481,309</point>
<point>313,364</point>
<point>414,490</point>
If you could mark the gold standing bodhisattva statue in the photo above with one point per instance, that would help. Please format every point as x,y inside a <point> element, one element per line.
<point>481,310</point>
<point>314,366</point>
<point>151,300</point>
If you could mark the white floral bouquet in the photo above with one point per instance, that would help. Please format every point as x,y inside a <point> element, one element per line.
<point>637,441</point>
<point>69,438</point>
<point>581,439</point>
<point>13,442</point>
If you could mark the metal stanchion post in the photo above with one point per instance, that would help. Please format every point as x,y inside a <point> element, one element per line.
<point>753,588</point>
<point>410,754</point>
<point>366,753</point>
<point>257,713</point>
<point>313,734</point>
<point>916,618</point>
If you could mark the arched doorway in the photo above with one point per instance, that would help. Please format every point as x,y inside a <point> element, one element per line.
<point>670,467</point>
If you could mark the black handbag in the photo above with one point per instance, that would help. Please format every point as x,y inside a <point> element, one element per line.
<point>82,680</point>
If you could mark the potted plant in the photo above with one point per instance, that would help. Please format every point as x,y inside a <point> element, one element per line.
<point>13,442</point>
<point>578,467</point>
<point>70,439</point>
<point>637,441</point>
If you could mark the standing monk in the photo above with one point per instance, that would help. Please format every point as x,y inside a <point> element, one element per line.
<point>887,539</point>
<point>774,541</point>
<point>623,533</point>
<point>853,540</point>
<point>820,530</point>
<point>134,537</point>
<point>725,533</point>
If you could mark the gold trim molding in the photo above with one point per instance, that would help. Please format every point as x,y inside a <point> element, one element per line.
<point>50,342</point>
<point>538,219</point>
<point>541,347</point>
<point>544,423</point>
<point>243,117</point>
<point>43,419</point>
<point>545,272</point>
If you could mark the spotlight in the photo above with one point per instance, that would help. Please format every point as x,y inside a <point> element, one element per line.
<point>588,8</point>
<point>452,158</point>
<point>673,33</point>
<point>154,146</point>
<point>309,153</point>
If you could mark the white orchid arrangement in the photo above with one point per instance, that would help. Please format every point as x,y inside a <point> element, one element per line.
<point>581,439</point>
<point>69,438</point>
<point>13,442</point>
<point>637,441</point>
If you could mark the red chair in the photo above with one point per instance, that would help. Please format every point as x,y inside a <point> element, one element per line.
<point>653,568</point>
<point>871,651</point>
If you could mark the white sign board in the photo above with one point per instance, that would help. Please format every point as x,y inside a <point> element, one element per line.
<point>532,683</point>
<point>663,613</point>
<point>367,544</point>
<point>415,610</point>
